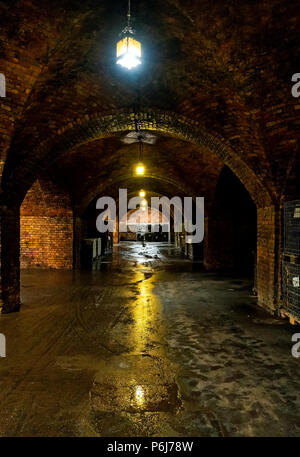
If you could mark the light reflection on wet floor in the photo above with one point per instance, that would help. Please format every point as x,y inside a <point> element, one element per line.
<point>148,344</point>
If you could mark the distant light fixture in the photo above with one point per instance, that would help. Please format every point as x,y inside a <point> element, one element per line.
<point>140,169</point>
<point>142,193</point>
<point>129,50</point>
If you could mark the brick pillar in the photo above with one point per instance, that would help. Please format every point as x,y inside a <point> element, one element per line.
<point>10,259</point>
<point>268,257</point>
<point>77,237</point>
<point>116,235</point>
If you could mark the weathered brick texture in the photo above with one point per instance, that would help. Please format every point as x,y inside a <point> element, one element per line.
<point>218,84</point>
<point>46,228</point>
<point>266,258</point>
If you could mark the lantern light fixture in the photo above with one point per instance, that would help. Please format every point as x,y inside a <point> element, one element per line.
<point>140,169</point>
<point>142,193</point>
<point>129,50</point>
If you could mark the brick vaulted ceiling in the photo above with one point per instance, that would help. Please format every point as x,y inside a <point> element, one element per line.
<point>173,167</point>
<point>225,65</point>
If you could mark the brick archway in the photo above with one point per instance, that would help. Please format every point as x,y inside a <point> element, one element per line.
<point>89,128</point>
<point>113,189</point>
<point>95,126</point>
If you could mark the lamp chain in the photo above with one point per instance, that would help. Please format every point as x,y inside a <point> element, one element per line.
<point>129,12</point>
<point>141,151</point>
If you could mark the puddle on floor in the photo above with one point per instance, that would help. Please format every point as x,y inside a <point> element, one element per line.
<point>135,384</point>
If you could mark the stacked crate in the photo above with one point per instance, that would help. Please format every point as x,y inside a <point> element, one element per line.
<point>291,261</point>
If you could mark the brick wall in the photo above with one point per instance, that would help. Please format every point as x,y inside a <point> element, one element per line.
<point>46,227</point>
<point>10,254</point>
<point>57,101</point>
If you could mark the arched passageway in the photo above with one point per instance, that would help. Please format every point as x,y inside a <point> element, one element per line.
<point>231,227</point>
<point>87,133</point>
<point>163,330</point>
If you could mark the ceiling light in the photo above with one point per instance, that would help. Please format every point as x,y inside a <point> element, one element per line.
<point>140,169</point>
<point>129,50</point>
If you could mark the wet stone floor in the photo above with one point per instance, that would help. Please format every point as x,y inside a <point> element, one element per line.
<point>147,344</point>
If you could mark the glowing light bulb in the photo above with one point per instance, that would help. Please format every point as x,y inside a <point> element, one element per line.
<point>129,61</point>
<point>142,193</point>
<point>140,169</point>
<point>129,52</point>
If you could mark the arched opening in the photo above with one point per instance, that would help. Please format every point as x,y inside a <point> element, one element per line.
<point>46,227</point>
<point>231,240</point>
<point>145,224</point>
<point>147,337</point>
<point>206,153</point>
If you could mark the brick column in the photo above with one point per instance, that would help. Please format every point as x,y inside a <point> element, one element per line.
<point>77,237</point>
<point>268,257</point>
<point>10,259</point>
<point>116,234</point>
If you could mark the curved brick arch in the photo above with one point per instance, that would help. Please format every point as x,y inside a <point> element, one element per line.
<point>92,127</point>
<point>113,187</point>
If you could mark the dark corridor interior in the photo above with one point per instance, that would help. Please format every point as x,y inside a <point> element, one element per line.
<point>236,218</point>
<point>110,334</point>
